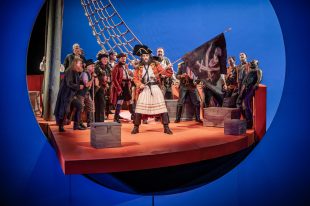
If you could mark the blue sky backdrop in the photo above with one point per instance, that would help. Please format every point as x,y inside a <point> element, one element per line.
<point>181,26</point>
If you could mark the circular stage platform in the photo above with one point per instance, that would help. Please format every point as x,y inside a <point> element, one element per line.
<point>150,149</point>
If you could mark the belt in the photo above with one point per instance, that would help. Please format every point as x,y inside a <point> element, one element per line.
<point>149,84</point>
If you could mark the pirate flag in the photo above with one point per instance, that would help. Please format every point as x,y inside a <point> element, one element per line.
<point>208,61</point>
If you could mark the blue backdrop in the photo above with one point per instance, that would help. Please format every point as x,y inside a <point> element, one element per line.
<point>181,26</point>
<point>275,173</point>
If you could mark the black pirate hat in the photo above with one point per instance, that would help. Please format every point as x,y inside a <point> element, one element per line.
<point>89,62</point>
<point>121,55</point>
<point>139,49</point>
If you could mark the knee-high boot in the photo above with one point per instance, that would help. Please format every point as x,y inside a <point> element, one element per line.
<point>132,111</point>
<point>179,113</point>
<point>116,114</point>
<point>136,122</point>
<point>197,114</point>
<point>165,121</point>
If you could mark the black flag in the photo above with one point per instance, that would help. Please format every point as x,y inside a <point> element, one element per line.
<point>208,61</point>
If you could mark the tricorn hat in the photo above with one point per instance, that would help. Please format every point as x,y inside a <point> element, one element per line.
<point>121,55</point>
<point>89,62</point>
<point>101,55</point>
<point>139,49</point>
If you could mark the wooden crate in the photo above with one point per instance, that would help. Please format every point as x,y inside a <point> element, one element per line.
<point>215,116</point>
<point>188,112</point>
<point>105,134</point>
<point>35,101</point>
<point>234,127</point>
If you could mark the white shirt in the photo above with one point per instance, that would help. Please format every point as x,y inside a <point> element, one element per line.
<point>125,73</point>
<point>151,74</point>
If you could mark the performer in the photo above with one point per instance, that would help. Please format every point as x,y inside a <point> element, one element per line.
<point>85,95</point>
<point>241,69</point>
<point>76,53</point>
<point>165,82</point>
<point>253,77</point>
<point>67,95</point>
<point>231,81</point>
<point>150,100</point>
<point>102,71</point>
<point>121,86</point>
<point>188,86</point>
<point>105,66</point>
<point>112,59</point>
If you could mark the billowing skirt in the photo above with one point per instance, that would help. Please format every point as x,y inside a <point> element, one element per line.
<point>151,103</point>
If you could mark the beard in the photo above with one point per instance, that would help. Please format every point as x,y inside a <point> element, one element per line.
<point>122,62</point>
<point>146,62</point>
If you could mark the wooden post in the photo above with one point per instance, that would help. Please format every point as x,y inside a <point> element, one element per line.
<point>260,109</point>
<point>53,55</point>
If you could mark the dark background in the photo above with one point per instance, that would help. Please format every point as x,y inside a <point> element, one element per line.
<point>275,173</point>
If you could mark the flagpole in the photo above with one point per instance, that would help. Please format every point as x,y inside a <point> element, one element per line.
<point>227,30</point>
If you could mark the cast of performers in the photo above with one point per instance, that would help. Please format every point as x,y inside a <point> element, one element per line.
<point>250,82</point>
<point>85,95</point>
<point>150,100</point>
<point>188,87</point>
<point>121,86</point>
<point>166,82</point>
<point>67,95</point>
<point>103,72</point>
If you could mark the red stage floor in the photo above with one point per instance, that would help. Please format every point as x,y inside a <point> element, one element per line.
<point>151,148</point>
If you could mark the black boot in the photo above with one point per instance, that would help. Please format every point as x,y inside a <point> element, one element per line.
<point>89,118</point>
<point>166,121</point>
<point>249,124</point>
<point>132,111</point>
<point>116,115</point>
<point>77,126</point>
<point>61,127</point>
<point>178,115</point>
<point>82,125</point>
<point>197,114</point>
<point>167,130</point>
<point>136,122</point>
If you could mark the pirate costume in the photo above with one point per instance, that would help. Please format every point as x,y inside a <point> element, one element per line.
<point>121,88</point>
<point>150,100</point>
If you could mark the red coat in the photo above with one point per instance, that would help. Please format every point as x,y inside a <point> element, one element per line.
<point>116,81</point>
<point>157,69</point>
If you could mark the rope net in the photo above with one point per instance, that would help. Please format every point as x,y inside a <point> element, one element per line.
<point>109,28</point>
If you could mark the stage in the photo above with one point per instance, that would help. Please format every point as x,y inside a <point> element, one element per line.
<point>150,149</point>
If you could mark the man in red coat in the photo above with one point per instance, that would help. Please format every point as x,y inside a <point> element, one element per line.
<point>121,86</point>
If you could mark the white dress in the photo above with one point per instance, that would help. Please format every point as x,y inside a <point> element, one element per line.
<point>151,100</point>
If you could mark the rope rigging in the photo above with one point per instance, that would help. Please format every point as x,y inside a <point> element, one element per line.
<point>108,27</point>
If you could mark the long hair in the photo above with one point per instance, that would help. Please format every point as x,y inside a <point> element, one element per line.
<point>74,63</point>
